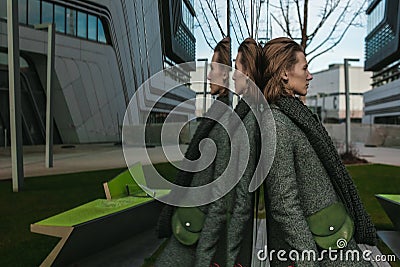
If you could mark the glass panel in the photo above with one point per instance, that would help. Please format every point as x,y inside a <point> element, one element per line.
<point>47,12</point>
<point>92,28</point>
<point>3,9</point>
<point>4,60</point>
<point>33,12</point>
<point>188,19</point>
<point>21,11</point>
<point>82,24</point>
<point>102,36</point>
<point>376,16</point>
<point>71,21</point>
<point>59,18</point>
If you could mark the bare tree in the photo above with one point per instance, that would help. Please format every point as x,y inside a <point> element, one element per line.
<point>212,13</point>
<point>317,28</point>
<point>334,18</point>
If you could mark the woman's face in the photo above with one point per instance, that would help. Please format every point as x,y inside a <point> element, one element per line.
<point>298,78</point>
<point>239,76</point>
<point>217,76</point>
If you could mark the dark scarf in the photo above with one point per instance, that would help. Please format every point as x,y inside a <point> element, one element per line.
<point>317,135</point>
<point>184,178</point>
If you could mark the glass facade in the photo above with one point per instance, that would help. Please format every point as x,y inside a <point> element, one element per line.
<point>92,27</point>
<point>33,12</point>
<point>22,12</point>
<point>70,21</point>
<point>188,18</point>
<point>101,37</point>
<point>47,12</point>
<point>82,24</point>
<point>376,16</point>
<point>59,18</point>
<point>3,9</point>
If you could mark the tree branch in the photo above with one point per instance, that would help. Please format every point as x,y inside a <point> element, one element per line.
<point>204,34</point>
<point>337,23</point>
<point>242,9</point>
<point>234,30</point>
<point>215,15</point>
<point>286,18</point>
<point>325,15</point>
<point>258,19</point>
<point>237,20</point>
<point>207,21</point>
<point>279,23</point>
<point>355,15</point>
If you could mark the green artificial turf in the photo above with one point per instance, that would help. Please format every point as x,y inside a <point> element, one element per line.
<point>92,210</point>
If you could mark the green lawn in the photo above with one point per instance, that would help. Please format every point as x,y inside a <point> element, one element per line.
<point>43,197</point>
<point>376,179</point>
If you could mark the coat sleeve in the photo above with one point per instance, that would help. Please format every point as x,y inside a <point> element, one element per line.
<point>243,199</point>
<point>283,195</point>
<point>215,221</point>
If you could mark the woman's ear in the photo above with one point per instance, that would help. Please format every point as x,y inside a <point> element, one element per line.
<point>284,76</point>
<point>225,75</point>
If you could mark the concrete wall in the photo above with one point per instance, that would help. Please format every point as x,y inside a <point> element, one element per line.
<point>332,81</point>
<point>370,134</point>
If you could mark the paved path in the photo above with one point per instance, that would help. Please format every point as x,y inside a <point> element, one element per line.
<point>107,156</point>
<point>83,158</point>
<point>384,155</point>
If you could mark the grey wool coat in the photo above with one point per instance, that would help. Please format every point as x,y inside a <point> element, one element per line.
<point>297,186</point>
<point>221,240</point>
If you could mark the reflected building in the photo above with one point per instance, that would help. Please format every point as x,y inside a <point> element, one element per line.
<point>105,50</point>
<point>382,56</point>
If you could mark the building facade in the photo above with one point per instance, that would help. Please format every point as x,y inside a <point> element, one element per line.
<point>326,93</point>
<point>104,52</point>
<point>382,43</point>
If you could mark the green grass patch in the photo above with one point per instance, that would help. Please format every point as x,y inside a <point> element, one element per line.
<point>43,197</point>
<point>376,179</point>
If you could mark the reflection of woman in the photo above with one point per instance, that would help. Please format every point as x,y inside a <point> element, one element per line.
<point>175,253</point>
<point>233,232</point>
<point>307,175</point>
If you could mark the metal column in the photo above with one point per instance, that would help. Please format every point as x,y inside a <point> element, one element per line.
<point>15,96</point>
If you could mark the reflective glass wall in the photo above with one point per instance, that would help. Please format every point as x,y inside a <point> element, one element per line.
<point>68,20</point>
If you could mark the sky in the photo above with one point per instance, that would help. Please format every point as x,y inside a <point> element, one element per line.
<point>351,46</point>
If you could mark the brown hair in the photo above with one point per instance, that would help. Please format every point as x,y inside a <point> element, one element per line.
<point>251,58</point>
<point>224,51</point>
<point>279,55</point>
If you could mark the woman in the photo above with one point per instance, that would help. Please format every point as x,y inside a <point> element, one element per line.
<point>176,253</point>
<point>307,176</point>
<point>233,232</point>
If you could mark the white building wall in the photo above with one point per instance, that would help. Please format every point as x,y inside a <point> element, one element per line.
<point>331,81</point>
<point>389,107</point>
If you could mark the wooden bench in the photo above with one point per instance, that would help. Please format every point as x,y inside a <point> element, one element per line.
<point>101,223</point>
<point>391,205</point>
